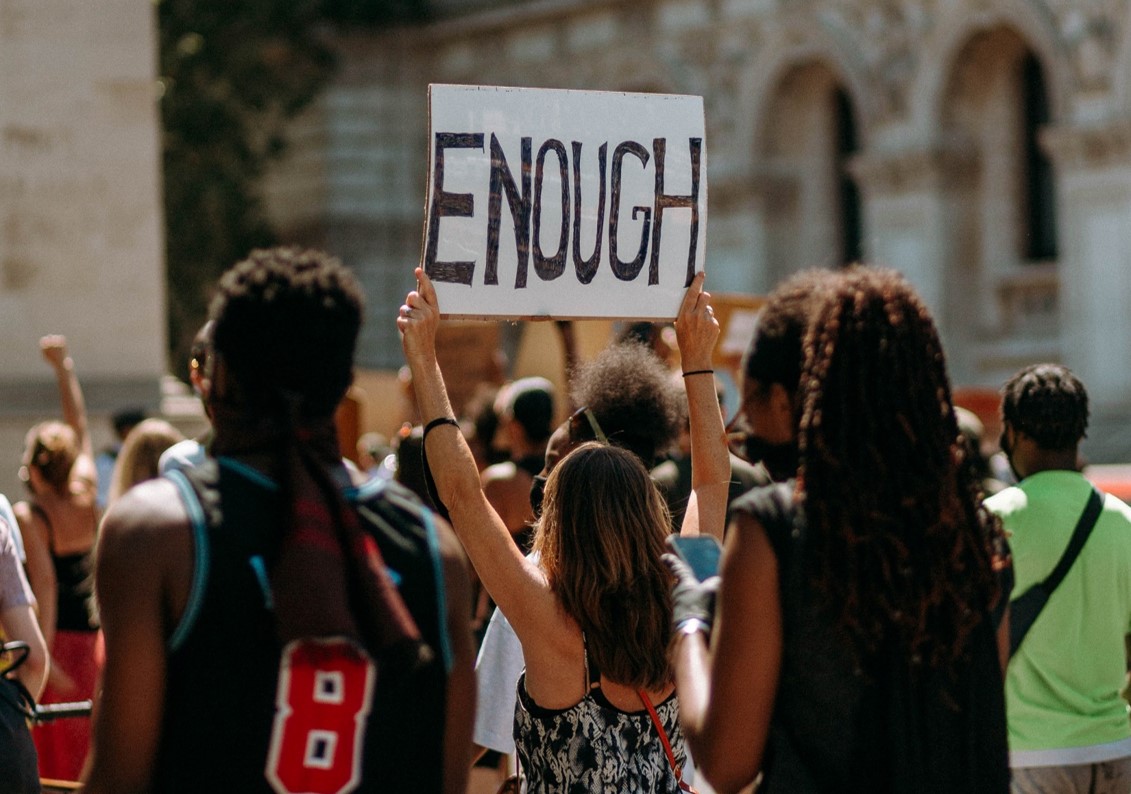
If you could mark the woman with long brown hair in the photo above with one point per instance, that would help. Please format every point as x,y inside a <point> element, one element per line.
<point>854,643</point>
<point>58,522</point>
<point>593,612</point>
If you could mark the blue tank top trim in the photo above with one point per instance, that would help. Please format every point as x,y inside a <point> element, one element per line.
<point>200,559</point>
<point>441,588</point>
<point>254,475</point>
<point>367,490</point>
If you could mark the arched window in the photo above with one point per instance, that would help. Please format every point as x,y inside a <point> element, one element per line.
<point>811,204</point>
<point>851,232</point>
<point>1039,243</point>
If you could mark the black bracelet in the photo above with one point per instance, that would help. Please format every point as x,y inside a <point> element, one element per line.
<point>699,372</point>
<point>443,420</point>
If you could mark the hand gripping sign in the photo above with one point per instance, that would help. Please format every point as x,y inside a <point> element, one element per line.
<point>565,204</point>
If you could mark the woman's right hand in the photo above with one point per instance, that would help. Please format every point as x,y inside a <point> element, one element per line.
<point>418,320</point>
<point>54,349</point>
<point>696,328</point>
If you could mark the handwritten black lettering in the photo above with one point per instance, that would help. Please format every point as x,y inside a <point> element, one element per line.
<point>587,268</point>
<point>665,201</point>
<point>549,268</point>
<point>627,271</point>
<point>444,204</point>
<point>502,179</point>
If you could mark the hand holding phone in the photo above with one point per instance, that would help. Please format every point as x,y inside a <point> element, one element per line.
<point>701,554</point>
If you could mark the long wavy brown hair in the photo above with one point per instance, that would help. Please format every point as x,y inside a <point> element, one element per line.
<point>600,539</point>
<point>903,549</point>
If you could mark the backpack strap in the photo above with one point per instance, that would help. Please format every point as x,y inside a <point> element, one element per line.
<point>1025,609</point>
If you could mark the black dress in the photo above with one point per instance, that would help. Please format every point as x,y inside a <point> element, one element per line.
<point>884,725</point>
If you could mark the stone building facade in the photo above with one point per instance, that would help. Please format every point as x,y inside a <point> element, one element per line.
<point>983,147</point>
<point>81,250</point>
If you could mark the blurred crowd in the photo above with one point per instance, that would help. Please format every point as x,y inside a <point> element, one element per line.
<point>511,597</point>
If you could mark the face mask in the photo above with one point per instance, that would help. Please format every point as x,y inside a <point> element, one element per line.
<point>779,459</point>
<point>537,492</point>
<point>1007,448</point>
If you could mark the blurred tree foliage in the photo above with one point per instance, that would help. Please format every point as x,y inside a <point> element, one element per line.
<point>233,74</point>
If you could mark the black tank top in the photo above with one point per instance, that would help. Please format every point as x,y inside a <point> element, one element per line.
<point>878,727</point>
<point>73,582</point>
<point>224,657</point>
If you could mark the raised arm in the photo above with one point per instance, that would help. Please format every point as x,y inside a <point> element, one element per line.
<point>54,348</point>
<point>570,357</point>
<point>517,585</point>
<point>726,692</point>
<point>697,330</point>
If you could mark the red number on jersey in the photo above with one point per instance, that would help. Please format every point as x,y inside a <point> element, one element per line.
<point>323,700</point>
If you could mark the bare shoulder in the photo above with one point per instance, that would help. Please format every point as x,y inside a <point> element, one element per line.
<point>23,512</point>
<point>747,545</point>
<point>148,521</point>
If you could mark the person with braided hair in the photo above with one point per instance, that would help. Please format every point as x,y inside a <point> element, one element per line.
<point>1068,726</point>
<point>853,648</point>
<point>273,624</point>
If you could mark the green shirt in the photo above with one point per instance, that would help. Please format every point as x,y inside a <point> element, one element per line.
<point>1063,684</point>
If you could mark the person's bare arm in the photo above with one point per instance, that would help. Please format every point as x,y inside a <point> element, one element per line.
<point>517,585</point>
<point>19,623</point>
<point>726,693</point>
<point>40,569</point>
<point>54,349</point>
<point>570,357</point>
<point>697,331</point>
<point>144,536</point>
<point>17,613</point>
<point>460,708</point>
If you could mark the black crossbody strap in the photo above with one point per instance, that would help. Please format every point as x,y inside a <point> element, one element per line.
<point>1079,536</point>
<point>1025,609</point>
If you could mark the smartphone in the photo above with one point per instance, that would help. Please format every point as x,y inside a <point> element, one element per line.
<point>701,553</point>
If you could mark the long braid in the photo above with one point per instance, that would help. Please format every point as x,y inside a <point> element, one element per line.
<point>905,551</point>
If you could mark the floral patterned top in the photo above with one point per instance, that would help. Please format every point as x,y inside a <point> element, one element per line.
<point>593,747</point>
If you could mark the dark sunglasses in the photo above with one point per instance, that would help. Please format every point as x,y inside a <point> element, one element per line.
<point>583,427</point>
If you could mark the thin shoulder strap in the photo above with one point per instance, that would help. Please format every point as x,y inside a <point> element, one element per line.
<point>592,674</point>
<point>37,509</point>
<point>683,786</point>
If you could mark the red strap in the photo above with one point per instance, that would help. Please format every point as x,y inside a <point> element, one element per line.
<point>664,740</point>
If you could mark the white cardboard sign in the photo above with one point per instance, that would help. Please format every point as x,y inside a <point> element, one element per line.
<point>545,203</point>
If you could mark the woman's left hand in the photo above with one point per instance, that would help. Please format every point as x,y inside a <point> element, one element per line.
<point>418,319</point>
<point>696,328</point>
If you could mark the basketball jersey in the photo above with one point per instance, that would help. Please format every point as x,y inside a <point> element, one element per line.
<point>242,713</point>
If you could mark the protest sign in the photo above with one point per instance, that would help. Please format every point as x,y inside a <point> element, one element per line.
<point>565,204</point>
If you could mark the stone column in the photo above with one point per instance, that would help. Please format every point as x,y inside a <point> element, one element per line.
<point>912,208</point>
<point>1093,167</point>
<point>81,249</point>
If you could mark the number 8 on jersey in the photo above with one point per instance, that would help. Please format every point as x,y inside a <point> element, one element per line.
<point>323,700</point>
